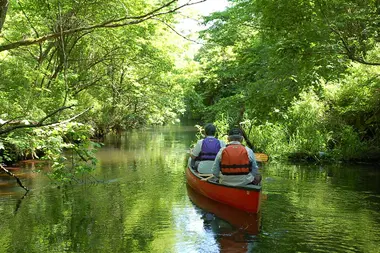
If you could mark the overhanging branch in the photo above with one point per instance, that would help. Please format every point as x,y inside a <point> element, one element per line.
<point>113,23</point>
<point>41,123</point>
<point>176,32</point>
<point>53,113</point>
<point>70,119</point>
<point>13,175</point>
<point>349,50</point>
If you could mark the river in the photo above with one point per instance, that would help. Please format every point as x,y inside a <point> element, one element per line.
<point>140,203</point>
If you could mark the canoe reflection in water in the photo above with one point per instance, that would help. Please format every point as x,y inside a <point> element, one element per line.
<point>235,230</point>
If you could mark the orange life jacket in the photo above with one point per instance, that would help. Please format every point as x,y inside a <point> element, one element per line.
<point>235,160</point>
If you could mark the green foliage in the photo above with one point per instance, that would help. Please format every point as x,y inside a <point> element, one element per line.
<point>269,138</point>
<point>354,114</point>
<point>230,106</point>
<point>66,147</point>
<point>306,125</point>
<point>130,77</point>
<point>223,124</point>
<point>304,73</point>
<point>348,145</point>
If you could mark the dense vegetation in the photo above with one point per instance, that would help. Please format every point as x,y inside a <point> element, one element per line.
<point>74,70</point>
<point>301,76</point>
<point>306,74</point>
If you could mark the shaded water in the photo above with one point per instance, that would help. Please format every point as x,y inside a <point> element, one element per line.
<point>143,205</point>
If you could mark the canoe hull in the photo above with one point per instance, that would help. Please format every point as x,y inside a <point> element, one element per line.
<point>242,198</point>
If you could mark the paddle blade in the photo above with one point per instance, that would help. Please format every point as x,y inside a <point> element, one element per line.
<point>261,157</point>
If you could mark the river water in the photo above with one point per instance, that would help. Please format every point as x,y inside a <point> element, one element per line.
<point>141,204</point>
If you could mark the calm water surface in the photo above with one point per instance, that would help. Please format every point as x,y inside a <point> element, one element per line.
<point>143,205</point>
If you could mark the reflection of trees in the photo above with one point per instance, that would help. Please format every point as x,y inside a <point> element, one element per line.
<point>19,201</point>
<point>229,238</point>
<point>318,202</point>
<point>233,229</point>
<point>105,218</point>
<point>308,208</point>
<point>121,215</point>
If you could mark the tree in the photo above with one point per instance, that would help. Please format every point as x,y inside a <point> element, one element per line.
<point>263,55</point>
<point>3,12</point>
<point>74,74</point>
<point>109,22</point>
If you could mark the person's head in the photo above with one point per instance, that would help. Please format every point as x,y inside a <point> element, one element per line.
<point>235,134</point>
<point>210,129</point>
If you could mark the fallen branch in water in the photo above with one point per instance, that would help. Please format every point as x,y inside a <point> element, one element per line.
<point>13,175</point>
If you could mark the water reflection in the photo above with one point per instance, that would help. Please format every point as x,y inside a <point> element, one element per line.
<point>142,205</point>
<point>313,208</point>
<point>234,230</point>
<point>8,184</point>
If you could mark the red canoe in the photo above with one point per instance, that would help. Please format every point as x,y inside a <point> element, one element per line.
<point>246,198</point>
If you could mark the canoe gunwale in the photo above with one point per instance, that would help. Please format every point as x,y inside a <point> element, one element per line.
<point>252,187</point>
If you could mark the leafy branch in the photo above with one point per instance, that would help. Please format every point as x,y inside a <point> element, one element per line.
<point>350,50</point>
<point>178,33</point>
<point>42,123</point>
<point>112,23</point>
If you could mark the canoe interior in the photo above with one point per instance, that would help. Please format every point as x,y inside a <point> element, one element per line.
<point>213,181</point>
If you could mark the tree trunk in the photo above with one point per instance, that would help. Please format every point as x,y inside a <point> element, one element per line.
<point>3,12</point>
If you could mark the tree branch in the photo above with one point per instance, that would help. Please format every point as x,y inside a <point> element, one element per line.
<point>3,12</point>
<point>53,113</point>
<point>350,53</point>
<point>179,34</point>
<point>10,121</point>
<point>40,123</point>
<point>113,23</point>
<point>240,118</point>
<point>28,19</point>
<point>70,119</point>
<point>13,175</point>
<point>362,61</point>
<point>84,87</point>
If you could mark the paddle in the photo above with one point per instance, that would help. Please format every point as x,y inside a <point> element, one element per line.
<point>260,157</point>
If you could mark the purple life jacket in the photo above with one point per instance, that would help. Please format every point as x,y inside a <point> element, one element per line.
<point>209,150</point>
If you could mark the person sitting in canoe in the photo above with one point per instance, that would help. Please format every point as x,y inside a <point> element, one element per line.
<point>204,152</point>
<point>235,164</point>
